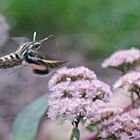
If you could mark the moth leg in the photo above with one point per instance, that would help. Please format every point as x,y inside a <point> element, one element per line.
<point>24,63</point>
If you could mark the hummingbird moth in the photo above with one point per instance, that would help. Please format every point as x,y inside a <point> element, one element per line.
<point>27,53</point>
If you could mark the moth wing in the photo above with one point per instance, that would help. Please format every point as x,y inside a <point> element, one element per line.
<point>20,40</point>
<point>51,48</point>
<point>53,63</point>
<point>11,45</point>
<point>43,65</point>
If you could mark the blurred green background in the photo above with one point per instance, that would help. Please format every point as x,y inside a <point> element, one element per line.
<point>94,27</point>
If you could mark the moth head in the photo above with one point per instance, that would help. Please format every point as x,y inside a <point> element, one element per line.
<point>26,47</point>
<point>34,45</point>
<point>29,46</point>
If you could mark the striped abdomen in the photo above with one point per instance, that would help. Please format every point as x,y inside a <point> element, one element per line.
<point>10,60</point>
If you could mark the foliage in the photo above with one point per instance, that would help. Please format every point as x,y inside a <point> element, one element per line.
<point>26,123</point>
<point>76,133</point>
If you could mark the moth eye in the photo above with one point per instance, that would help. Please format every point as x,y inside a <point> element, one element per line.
<point>35,46</point>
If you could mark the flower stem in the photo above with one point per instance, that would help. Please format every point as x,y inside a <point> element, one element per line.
<point>75,124</point>
<point>132,99</point>
<point>138,94</point>
<point>71,136</point>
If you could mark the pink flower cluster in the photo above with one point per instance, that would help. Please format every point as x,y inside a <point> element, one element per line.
<point>69,109</point>
<point>123,57</point>
<point>111,122</point>
<point>78,83</point>
<point>3,30</point>
<point>73,91</point>
<point>102,113</point>
<point>71,74</point>
<point>129,81</point>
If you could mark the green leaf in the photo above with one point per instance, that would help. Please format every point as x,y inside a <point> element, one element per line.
<point>76,133</point>
<point>26,123</point>
<point>91,127</point>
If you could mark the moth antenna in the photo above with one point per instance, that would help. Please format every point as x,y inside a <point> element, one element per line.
<point>56,42</point>
<point>34,36</point>
<point>45,39</point>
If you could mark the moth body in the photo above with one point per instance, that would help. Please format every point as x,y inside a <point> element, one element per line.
<point>28,52</point>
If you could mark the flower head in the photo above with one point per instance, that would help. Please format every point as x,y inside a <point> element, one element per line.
<point>73,92</point>
<point>71,74</point>
<point>129,81</point>
<point>122,57</point>
<point>69,109</point>
<point>78,83</point>
<point>115,123</point>
<point>102,114</point>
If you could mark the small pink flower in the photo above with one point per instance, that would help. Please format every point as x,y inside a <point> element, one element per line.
<point>123,136</point>
<point>103,113</point>
<point>122,57</point>
<point>78,83</point>
<point>135,134</point>
<point>71,74</point>
<point>69,109</point>
<point>129,81</point>
<point>73,92</point>
<point>115,123</point>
